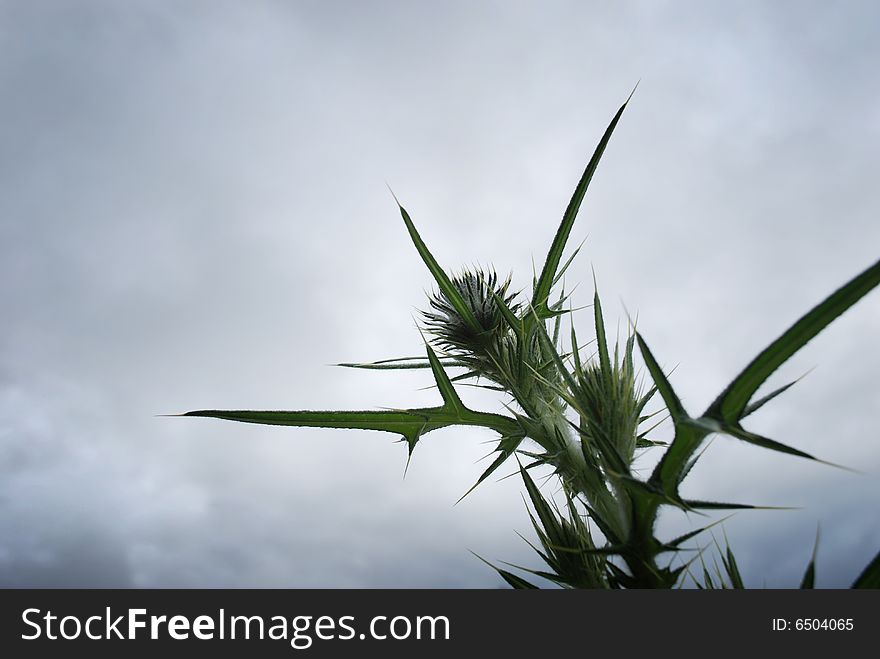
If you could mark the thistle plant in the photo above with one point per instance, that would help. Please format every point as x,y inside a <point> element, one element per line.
<point>579,413</point>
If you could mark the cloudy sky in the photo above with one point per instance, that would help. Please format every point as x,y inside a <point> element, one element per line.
<point>194,214</point>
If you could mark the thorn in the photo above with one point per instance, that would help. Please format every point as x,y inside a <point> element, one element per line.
<point>388,185</point>
<point>632,323</point>
<point>411,446</point>
<point>633,91</point>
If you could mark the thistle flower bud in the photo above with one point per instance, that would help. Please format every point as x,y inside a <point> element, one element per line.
<point>478,289</point>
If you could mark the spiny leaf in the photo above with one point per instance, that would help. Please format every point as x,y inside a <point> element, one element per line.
<point>506,447</point>
<point>412,424</point>
<point>549,576</point>
<point>602,345</point>
<point>516,582</point>
<point>575,352</point>
<point>870,576</point>
<point>809,580</point>
<point>545,513</point>
<point>547,343</point>
<point>409,423</point>
<point>707,578</point>
<point>718,505</point>
<point>731,403</point>
<point>401,363</point>
<point>512,320</point>
<point>692,461</point>
<point>644,401</point>
<point>446,287</point>
<point>758,404</point>
<point>673,404</point>
<point>732,569</point>
<point>674,544</point>
<point>567,263</point>
<point>672,468</point>
<point>740,433</point>
<point>548,273</point>
<point>447,390</point>
<point>467,376</point>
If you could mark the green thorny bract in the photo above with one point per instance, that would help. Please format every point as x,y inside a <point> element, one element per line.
<point>585,416</point>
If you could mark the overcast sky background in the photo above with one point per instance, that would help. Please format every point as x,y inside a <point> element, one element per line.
<point>193,214</point>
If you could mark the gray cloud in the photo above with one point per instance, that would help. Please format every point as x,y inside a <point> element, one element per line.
<point>193,214</point>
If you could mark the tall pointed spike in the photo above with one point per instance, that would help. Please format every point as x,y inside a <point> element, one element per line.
<point>732,402</point>
<point>554,255</point>
<point>446,287</point>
